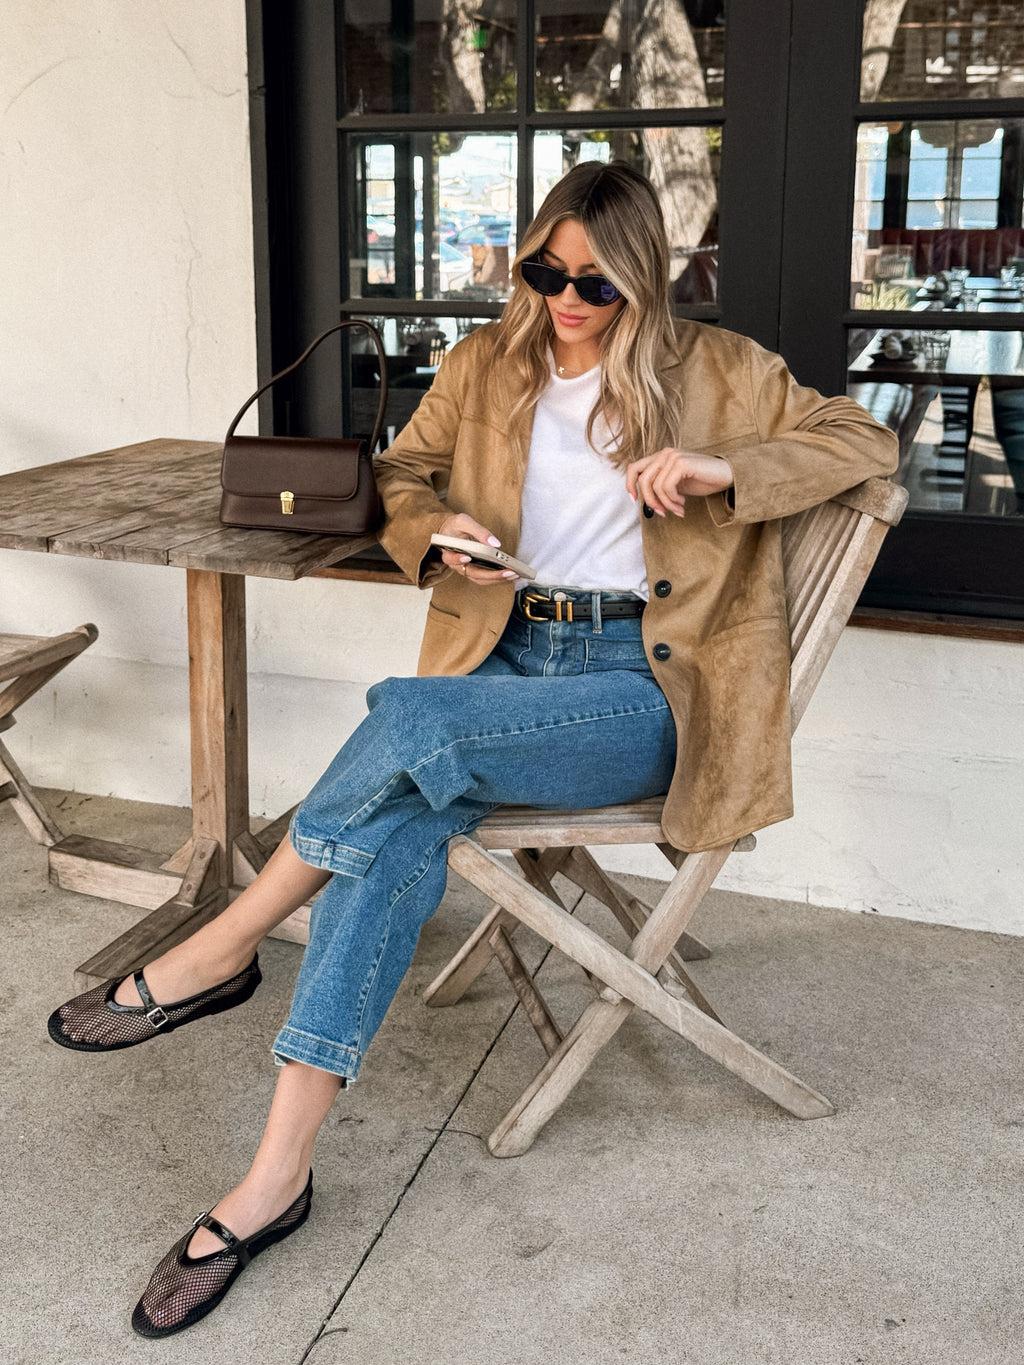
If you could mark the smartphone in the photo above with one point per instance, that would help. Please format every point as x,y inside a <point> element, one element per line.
<point>485,555</point>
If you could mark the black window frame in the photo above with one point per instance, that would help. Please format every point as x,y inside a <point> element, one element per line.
<point>790,116</point>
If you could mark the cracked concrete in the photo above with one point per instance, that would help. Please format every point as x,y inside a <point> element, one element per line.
<point>666,1214</point>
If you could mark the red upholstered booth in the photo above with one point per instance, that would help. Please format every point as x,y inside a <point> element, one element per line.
<point>981,250</point>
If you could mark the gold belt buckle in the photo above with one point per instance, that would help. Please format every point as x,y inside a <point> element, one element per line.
<point>560,603</point>
<point>528,598</point>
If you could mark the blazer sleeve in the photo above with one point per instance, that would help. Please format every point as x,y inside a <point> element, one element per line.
<point>412,474</point>
<point>809,448</point>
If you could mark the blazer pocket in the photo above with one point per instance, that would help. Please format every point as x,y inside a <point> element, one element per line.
<point>446,617</point>
<point>747,669</point>
<point>723,641</point>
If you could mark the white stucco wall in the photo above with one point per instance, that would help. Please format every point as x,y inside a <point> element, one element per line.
<point>126,299</point>
<point>909,786</point>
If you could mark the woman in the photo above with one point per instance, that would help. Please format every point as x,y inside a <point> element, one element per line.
<point>612,449</point>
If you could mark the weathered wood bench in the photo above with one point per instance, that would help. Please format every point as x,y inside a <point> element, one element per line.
<point>27,663</point>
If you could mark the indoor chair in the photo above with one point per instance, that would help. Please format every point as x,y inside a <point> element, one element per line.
<point>828,551</point>
<point>27,663</point>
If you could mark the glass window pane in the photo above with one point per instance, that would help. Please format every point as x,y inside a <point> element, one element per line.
<point>685,159</point>
<point>956,400</point>
<point>414,348</point>
<point>431,56</point>
<point>979,178</point>
<point>937,221</point>
<point>461,186</point>
<point>927,178</point>
<point>942,49</point>
<point>924,213</point>
<point>643,54</point>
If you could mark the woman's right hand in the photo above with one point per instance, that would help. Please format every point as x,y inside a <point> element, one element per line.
<point>462,525</point>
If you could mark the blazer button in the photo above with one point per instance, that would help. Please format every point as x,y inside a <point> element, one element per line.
<point>648,511</point>
<point>662,588</point>
<point>662,652</point>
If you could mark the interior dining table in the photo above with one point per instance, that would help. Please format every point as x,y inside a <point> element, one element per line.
<point>973,355</point>
<point>157,502</point>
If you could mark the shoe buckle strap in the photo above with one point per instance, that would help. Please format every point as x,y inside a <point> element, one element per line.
<point>155,1013</point>
<point>232,1243</point>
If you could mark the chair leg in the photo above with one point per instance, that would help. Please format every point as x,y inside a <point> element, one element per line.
<point>16,788</point>
<point>541,1100</point>
<point>451,984</point>
<point>597,1025</point>
<point>582,868</point>
<point>629,980</point>
<point>44,661</point>
<point>633,914</point>
<point>530,998</point>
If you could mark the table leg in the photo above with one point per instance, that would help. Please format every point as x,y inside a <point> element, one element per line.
<point>196,883</point>
<point>220,780</point>
<point>219,712</point>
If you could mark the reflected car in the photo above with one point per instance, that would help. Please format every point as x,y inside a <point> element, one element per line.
<point>484,232</point>
<point>379,230</point>
<point>454,269</point>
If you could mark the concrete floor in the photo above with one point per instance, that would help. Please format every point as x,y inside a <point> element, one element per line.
<point>666,1214</point>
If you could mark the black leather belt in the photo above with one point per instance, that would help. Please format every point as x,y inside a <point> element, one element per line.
<point>536,606</point>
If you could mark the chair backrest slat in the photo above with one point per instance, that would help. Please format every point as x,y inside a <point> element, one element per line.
<point>813,546</point>
<point>827,553</point>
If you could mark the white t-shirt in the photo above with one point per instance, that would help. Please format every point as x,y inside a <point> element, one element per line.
<point>580,528</point>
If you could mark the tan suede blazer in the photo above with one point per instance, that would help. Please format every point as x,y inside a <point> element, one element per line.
<point>717,594</point>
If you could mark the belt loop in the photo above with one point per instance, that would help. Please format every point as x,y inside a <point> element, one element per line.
<point>595,613</point>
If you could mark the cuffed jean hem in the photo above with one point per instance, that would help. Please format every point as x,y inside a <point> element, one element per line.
<point>292,1045</point>
<point>331,856</point>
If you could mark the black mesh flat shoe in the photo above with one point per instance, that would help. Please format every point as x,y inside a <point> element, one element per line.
<point>185,1288</point>
<point>95,1022</point>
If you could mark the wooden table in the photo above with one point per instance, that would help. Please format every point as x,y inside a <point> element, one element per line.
<point>157,503</point>
<point>972,355</point>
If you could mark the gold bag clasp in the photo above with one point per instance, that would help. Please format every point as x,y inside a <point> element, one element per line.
<point>287,503</point>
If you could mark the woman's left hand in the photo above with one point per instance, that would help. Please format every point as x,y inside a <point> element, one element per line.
<point>664,480</point>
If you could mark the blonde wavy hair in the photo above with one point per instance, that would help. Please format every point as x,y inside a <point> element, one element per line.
<point>619,212</point>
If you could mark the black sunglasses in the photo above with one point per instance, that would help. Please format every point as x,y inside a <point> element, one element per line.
<point>593,289</point>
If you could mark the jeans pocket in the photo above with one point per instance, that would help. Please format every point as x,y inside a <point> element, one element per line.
<point>516,643</point>
<point>604,655</point>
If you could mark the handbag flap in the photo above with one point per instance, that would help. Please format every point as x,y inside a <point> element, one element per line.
<point>267,466</point>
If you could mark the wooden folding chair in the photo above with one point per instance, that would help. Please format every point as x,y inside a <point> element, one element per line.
<point>828,552</point>
<point>27,663</point>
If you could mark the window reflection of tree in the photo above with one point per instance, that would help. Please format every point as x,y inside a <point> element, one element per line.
<point>650,50</point>
<point>941,48</point>
<point>461,59</point>
<point>881,20</point>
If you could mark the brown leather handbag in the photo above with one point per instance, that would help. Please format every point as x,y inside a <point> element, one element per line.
<point>304,483</point>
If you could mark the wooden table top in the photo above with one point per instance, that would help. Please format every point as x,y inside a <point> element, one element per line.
<point>153,503</point>
<point>972,355</point>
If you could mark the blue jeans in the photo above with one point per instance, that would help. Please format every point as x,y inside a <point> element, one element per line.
<point>560,715</point>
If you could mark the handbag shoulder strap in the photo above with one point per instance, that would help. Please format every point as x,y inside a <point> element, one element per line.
<point>378,425</point>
